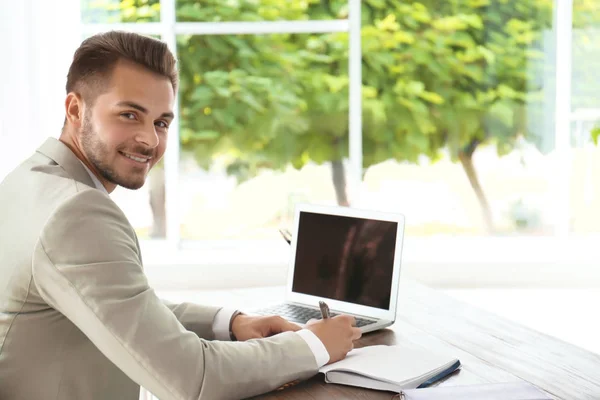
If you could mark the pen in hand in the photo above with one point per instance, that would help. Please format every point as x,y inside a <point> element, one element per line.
<point>324,310</point>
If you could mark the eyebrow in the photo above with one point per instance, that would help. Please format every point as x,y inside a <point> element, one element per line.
<point>143,109</point>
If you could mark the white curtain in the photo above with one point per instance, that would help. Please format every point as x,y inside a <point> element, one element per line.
<point>37,38</point>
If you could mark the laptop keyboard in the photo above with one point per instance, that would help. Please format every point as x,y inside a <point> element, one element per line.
<point>302,315</point>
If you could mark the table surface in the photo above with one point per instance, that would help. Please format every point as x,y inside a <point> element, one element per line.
<point>491,349</point>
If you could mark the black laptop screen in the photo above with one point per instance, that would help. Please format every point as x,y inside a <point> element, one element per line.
<point>345,258</point>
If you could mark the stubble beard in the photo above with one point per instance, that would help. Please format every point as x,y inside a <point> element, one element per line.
<point>98,153</point>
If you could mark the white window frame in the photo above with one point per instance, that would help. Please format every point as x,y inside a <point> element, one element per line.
<point>168,28</point>
<point>455,262</point>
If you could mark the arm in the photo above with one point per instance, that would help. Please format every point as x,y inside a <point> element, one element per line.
<point>205,321</point>
<point>253,327</point>
<point>86,266</point>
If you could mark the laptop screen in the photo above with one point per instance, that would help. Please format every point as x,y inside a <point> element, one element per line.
<point>345,258</point>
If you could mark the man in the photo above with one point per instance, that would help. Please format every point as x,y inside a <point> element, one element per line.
<point>77,317</point>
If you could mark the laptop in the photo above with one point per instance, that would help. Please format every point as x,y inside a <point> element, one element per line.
<point>348,258</point>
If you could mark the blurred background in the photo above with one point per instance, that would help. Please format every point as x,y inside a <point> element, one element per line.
<point>458,116</point>
<point>476,119</point>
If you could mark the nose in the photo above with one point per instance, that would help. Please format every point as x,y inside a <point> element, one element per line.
<point>148,137</point>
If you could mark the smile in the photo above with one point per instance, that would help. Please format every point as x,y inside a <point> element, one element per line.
<point>136,158</point>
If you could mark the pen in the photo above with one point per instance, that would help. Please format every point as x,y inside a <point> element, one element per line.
<point>286,235</point>
<point>324,310</point>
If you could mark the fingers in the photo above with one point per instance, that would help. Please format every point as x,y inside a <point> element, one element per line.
<point>279,324</point>
<point>355,332</point>
<point>290,326</point>
<point>351,320</point>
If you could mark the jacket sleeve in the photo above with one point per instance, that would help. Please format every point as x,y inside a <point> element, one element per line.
<point>86,266</point>
<point>194,317</point>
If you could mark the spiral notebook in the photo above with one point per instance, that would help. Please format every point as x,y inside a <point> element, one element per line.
<point>390,368</point>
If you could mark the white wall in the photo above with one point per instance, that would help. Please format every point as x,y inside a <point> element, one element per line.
<point>37,41</point>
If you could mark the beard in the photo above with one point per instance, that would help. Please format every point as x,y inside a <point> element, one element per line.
<point>98,153</point>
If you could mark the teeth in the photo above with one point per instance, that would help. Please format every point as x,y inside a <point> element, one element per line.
<point>138,159</point>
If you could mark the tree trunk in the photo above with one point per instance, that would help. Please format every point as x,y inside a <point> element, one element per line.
<point>339,182</point>
<point>157,203</point>
<point>466,159</point>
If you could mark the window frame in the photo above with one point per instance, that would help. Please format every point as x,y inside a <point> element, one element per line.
<point>239,263</point>
<point>168,28</point>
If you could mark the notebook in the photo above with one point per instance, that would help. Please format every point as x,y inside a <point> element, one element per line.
<point>493,391</point>
<point>390,368</point>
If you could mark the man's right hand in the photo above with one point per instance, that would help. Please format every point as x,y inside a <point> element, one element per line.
<point>337,334</point>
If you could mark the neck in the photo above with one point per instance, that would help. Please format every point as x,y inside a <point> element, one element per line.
<point>71,141</point>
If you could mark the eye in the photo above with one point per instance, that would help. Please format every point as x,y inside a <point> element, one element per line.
<point>128,115</point>
<point>162,124</point>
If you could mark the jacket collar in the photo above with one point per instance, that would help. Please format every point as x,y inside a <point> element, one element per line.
<point>63,156</point>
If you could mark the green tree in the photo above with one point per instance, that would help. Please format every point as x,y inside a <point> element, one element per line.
<point>453,75</point>
<point>437,76</point>
<point>463,74</point>
<point>265,101</point>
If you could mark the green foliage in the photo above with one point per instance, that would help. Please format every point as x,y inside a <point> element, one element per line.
<point>596,134</point>
<point>436,75</point>
<point>107,11</point>
<point>586,14</point>
<point>247,10</point>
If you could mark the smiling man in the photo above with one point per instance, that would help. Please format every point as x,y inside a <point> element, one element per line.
<point>123,138</point>
<point>78,319</point>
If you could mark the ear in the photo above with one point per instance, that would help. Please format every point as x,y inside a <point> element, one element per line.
<point>74,109</point>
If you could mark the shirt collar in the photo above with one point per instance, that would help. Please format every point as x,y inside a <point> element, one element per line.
<point>97,182</point>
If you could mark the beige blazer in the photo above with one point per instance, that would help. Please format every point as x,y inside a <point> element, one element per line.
<point>78,319</point>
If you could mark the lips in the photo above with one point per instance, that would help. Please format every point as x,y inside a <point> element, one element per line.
<point>136,157</point>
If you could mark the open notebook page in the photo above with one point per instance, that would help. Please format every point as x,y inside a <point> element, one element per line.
<point>403,366</point>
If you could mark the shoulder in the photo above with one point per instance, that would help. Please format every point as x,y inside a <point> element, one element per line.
<point>40,183</point>
<point>89,205</point>
<point>90,224</point>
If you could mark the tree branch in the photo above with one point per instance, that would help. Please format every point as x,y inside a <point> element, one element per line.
<point>471,147</point>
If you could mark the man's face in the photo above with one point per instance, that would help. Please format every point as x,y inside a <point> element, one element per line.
<point>124,133</point>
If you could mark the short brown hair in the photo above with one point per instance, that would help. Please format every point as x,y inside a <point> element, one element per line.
<point>97,56</point>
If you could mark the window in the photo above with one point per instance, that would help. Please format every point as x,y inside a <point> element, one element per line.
<point>117,11</point>
<point>261,118</point>
<point>259,10</point>
<point>144,207</point>
<point>451,114</point>
<point>585,115</point>
<point>246,117</point>
<point>458,111</point>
